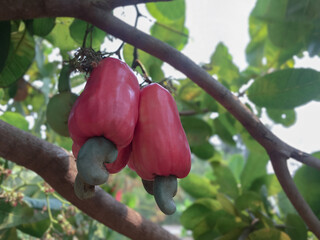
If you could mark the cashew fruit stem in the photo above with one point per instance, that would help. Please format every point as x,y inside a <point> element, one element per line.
<point>82,189</point>
<point>91,158</point>
<point>148,186</point>
<point>164,189</point>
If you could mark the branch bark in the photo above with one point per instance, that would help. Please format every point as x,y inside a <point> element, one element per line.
<point>103,19</point>
<point>281,170</point>
<point>57,167</point>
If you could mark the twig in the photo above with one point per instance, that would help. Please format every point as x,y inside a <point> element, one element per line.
<point>281,170</point>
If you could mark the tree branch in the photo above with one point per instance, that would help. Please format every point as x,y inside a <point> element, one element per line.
<point>305,158</point>
<point>281,170</point>
<point>58,168</point>
<point>122,3</point>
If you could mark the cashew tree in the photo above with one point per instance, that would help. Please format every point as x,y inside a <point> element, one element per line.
<point>48,50</point>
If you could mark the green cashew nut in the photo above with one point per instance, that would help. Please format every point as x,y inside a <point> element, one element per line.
<point>91,158</point>
<point>148,186</point>
<point>164,189</point>
<point>82,189</point>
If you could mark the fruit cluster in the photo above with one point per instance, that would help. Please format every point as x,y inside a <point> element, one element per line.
<point>114,123</point>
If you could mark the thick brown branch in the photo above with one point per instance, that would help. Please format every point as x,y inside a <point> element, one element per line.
<point>121,3</point>
<point>281,169</point>
<point>57,167</point>
<point>306,158</point>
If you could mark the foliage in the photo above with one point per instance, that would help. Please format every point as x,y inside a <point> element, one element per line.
<point>229,193</point>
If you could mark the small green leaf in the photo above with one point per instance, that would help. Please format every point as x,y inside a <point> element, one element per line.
<point>222,129</point>
<point>225,179</point>
<point>78,29</point>
<point>268,234</point>
<point>204,151</point>
<point>226,204</point>
<point>175,34</point>
<point>189,91</point>
<point>5,30</point>
<point>222,65</point>
<point>60,35</point>
<point>198,187</point>
<point>248,201</point>
<point>193,215</point>
<point>236,164</point>
<point>20,57</point>
<point>197,130</point>
<point>43,26</point>
<point>15,119</point>
<point>285,89</point>
<point>9,234</point>
<point>284,117</point>
<point>151,64</point>
<point>36,229</point>
<point>209,103</point>
<point>269,181</point>
<point>167,12</point>
<point>254,168</point>
<point>296,228</point>
<point>21,214</point>
<point>1,94</point>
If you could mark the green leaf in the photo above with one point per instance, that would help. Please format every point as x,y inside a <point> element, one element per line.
<point>288,33</point>
<point>284,117</point>
<point>5,29</point>
<point>167,12</point>
<point>189,91</point>
<point>256,163</point>
<point>194,214</point>
<point>43,26</point>
<point>285,89</point>
<point>231,235</point>
<point>20,57</point>
<point>1,94</point>
<point>236,164</point>
<point>222,65</point>
<point>36,229</point>
<point>204,151</point>
<point>268,234</point>
<point>60,35</point>
<point>307,180</point>
<point>175,34</point>
<point>296,228</point>
<point>225,179</point>
<point>78,29</point>
<point>259,32</point>
<point>15,119</point>
<point>223,127</point>
<point>151,64</point>
<point>16,216</point>
<point>9,234</point>
<point>198,187</point>
<point>209,103</point>
<point>197,130</point>
<point>226,204</point>
<point>269,181</point>
<point>248,201</point>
